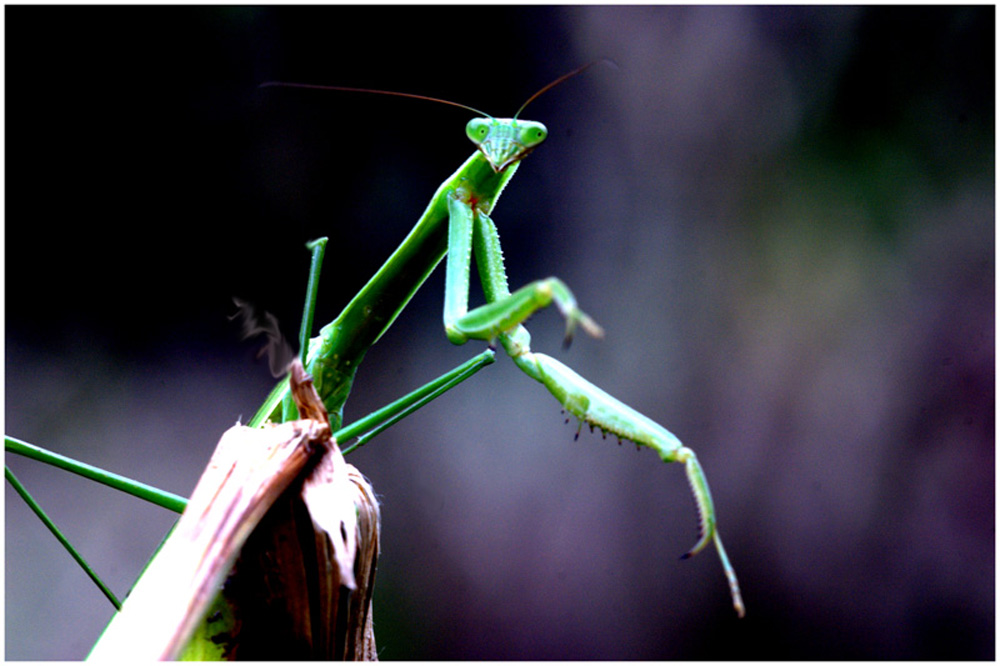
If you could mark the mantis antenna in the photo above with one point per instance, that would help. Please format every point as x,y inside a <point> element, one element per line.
<point>428,98</point>
<point>312,86</point>
<point>564,77</point>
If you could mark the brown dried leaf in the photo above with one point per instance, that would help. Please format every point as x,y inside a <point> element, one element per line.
<point>305,525</point>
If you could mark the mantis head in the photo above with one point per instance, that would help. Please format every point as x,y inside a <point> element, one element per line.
<point>504,141</point>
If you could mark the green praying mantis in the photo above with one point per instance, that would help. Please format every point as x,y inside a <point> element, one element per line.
<point>456,226</point>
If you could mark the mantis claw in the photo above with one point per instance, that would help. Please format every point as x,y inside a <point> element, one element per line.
<point>570,330</point>
<point>575,316</point>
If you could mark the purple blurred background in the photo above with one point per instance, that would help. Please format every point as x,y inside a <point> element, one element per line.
<point>783,217</point>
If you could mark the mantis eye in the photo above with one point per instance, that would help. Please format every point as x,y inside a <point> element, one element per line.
<point>477,130</point>
<point>532,134</point>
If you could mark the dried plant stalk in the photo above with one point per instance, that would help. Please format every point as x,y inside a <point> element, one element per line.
<point>305,526</point>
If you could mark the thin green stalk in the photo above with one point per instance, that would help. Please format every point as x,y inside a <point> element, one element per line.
<point>318,249</point>
<point>388,415</point>
<point>274,398</point>
<point>158,497</point>
<point>26,496</point>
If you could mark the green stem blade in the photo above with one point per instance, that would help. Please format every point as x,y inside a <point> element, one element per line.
<point>386,416</point>
<point>30,501</point>
<point>392,413</point>
<point>158,497</point>
<point>317,248</point>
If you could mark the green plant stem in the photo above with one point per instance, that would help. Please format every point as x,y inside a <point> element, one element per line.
<point>317,248</point>
<point>30,501</point>
<point>394,412</point>
<point>377,421</point>
<point>141,490</point>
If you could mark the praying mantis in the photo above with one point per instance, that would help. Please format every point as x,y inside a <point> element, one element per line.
<point>456,226</point>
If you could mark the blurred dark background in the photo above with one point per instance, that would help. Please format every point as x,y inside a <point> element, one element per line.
<point>783,217</point>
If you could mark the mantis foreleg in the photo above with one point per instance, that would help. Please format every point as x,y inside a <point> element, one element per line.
<point>505,310</point>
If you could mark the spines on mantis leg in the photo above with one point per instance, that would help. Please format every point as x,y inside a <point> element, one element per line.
<point>598,409</point>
